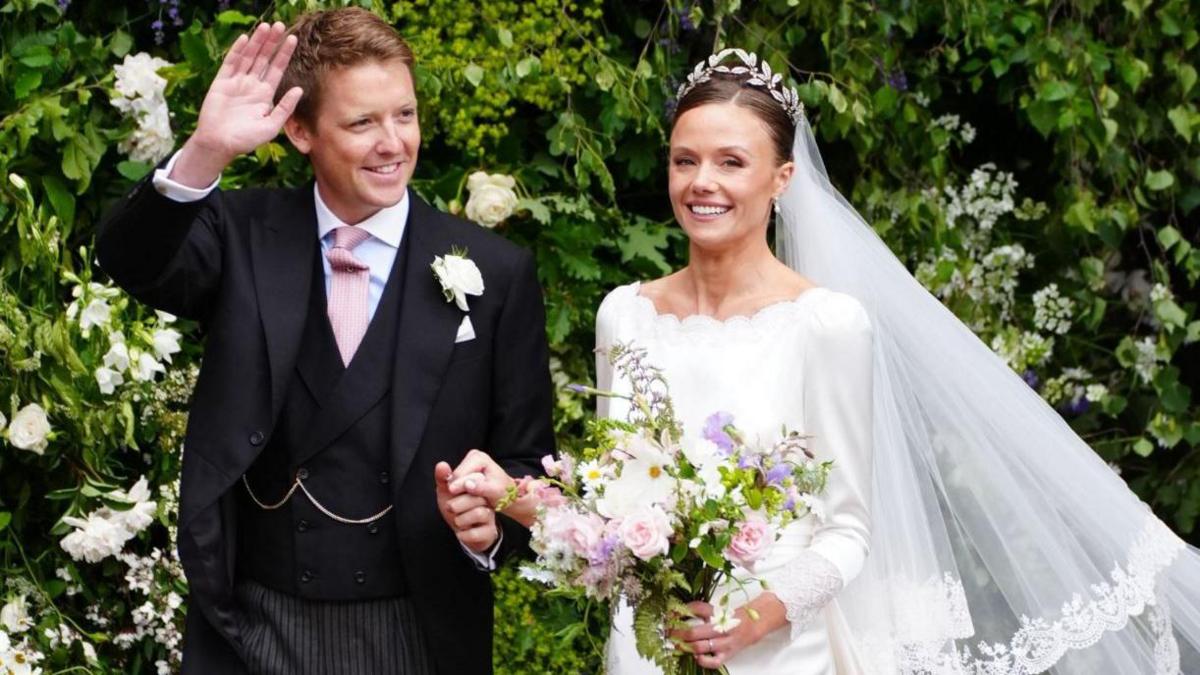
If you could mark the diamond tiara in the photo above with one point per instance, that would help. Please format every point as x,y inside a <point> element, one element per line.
<point>760,76</point>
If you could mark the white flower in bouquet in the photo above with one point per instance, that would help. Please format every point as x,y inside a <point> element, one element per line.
<point>166,342</point>
<point>492,198</point>
<point>165,317</point>
<point>108,379</point>
<point>18,659</point>
<point>643,480</point>
<point>14,616</point>
<point>724,618</point>
<point>145,366</point>
<point>30,429</point>
<point>593,475</point>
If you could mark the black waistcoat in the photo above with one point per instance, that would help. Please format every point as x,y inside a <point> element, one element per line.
<point>296,548</point>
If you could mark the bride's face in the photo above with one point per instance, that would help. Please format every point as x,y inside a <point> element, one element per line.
<point>723,175</point>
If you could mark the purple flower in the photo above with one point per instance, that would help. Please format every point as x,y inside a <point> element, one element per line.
<point>898,80</point>
<point>577,388</point>
<point>1078,406</point>
<point>777,473</point>
<point>63,5</point>
<point>714,431</point>
<point>1030,378</point>
<point>685,20</point>
<point>156,25</point>
<point>745,461</point>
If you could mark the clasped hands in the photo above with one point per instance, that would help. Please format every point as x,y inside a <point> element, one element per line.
<point>467,497</point>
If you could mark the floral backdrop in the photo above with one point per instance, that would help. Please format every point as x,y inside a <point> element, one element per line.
<point>1036,165</point>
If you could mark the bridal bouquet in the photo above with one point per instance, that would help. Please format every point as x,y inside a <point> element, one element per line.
<point>645,512</point>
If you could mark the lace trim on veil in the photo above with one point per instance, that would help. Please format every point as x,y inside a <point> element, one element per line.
<point>1040,643</point>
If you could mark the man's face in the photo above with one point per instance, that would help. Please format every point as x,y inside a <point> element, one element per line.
<point>364,142</point>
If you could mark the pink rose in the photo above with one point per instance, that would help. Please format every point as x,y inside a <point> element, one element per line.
<point>750,544</point>
<point>549,496</point>
<point>583,533</point>
<point>646,533</point>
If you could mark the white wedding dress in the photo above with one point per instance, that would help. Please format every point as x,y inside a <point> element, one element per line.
<point>804,363</point>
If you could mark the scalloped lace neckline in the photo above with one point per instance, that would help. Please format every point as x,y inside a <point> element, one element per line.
<point>696,320</point>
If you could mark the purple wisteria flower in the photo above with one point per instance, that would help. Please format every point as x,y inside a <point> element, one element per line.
<point>714,431</point>
<point>1078,406</point>
<point>1031,378</point>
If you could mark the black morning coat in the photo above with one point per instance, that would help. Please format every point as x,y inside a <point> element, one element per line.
<point>240,262</point>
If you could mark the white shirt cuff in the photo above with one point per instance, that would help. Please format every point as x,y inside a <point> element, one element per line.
<point>177,191</point>
<point>485,561</point>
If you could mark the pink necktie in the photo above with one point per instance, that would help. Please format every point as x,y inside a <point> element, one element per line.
<point>348,291</point>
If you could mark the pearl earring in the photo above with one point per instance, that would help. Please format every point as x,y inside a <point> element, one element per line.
<point>775,202</point>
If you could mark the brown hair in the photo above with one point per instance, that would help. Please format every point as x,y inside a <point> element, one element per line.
<point>332,39</point>
<point>728,88</point>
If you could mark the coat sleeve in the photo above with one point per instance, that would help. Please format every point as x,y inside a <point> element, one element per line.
<point>165,253</point>
<point>522,430</point>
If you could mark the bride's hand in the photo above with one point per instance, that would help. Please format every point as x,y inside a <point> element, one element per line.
<point>479,475</point>
<point>712,648</point>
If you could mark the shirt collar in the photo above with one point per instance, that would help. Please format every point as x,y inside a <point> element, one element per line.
<point>387,225</point>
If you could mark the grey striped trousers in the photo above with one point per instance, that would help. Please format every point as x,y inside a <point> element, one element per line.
<point>286,635</point>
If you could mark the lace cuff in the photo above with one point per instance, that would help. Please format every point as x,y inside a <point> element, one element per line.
<point>804,586</point>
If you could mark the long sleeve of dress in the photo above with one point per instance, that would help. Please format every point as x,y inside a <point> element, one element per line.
<point>837,397</point>
<point>605,330</point>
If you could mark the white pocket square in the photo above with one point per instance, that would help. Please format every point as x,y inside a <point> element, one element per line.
<point>466,331</point>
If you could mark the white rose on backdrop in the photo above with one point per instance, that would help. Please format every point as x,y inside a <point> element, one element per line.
<point>14,616</point>
<point>30,429</point>
<point>166,342</point>
<point>492,198</point>
<point>459,277</point>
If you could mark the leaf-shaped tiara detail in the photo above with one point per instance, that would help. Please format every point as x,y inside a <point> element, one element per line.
<point>760,76</point>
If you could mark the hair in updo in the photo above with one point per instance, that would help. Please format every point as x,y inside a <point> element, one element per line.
<point>728,88</point>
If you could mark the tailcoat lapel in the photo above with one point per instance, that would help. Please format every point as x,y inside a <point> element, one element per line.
<point>425,338</point>
<point>283,250</point>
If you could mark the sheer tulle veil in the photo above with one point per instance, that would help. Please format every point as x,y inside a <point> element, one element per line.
<point>1001,544</point>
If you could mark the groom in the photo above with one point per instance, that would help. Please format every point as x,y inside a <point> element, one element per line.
<point>339,368</point>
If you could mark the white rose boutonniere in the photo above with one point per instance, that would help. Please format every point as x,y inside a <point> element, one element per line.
<point>458,276</point>
<point>492,198</point>
<point>30,429</point>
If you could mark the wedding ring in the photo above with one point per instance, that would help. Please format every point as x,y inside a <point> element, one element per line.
<point>711,649</point>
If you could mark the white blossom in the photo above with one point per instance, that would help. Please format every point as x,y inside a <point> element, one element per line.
<point>1051,311</point>
<point>166,342</point>
<point>117,357</point>
<point>1095,392</point>
<point>145,366</point>
<point>104,532</point>
<point>108,379</point>
<point>140,96</point>
<point>1147,359</point>
<point>97,313</point>
<point>14,616</point>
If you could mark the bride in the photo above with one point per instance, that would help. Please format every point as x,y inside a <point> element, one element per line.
<point>965,528</point>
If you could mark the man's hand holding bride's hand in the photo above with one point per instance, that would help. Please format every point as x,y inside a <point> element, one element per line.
<point>471,517</point>
<point>713,648</point>
<point>479,475</point>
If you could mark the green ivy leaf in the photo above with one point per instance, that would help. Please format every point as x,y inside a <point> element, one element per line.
<point>837,99</point>
<point>1181,120</point>
<point>133,170</point>
<point>232,17</point>
<point>121,43</point>
<point>1143,447</point>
